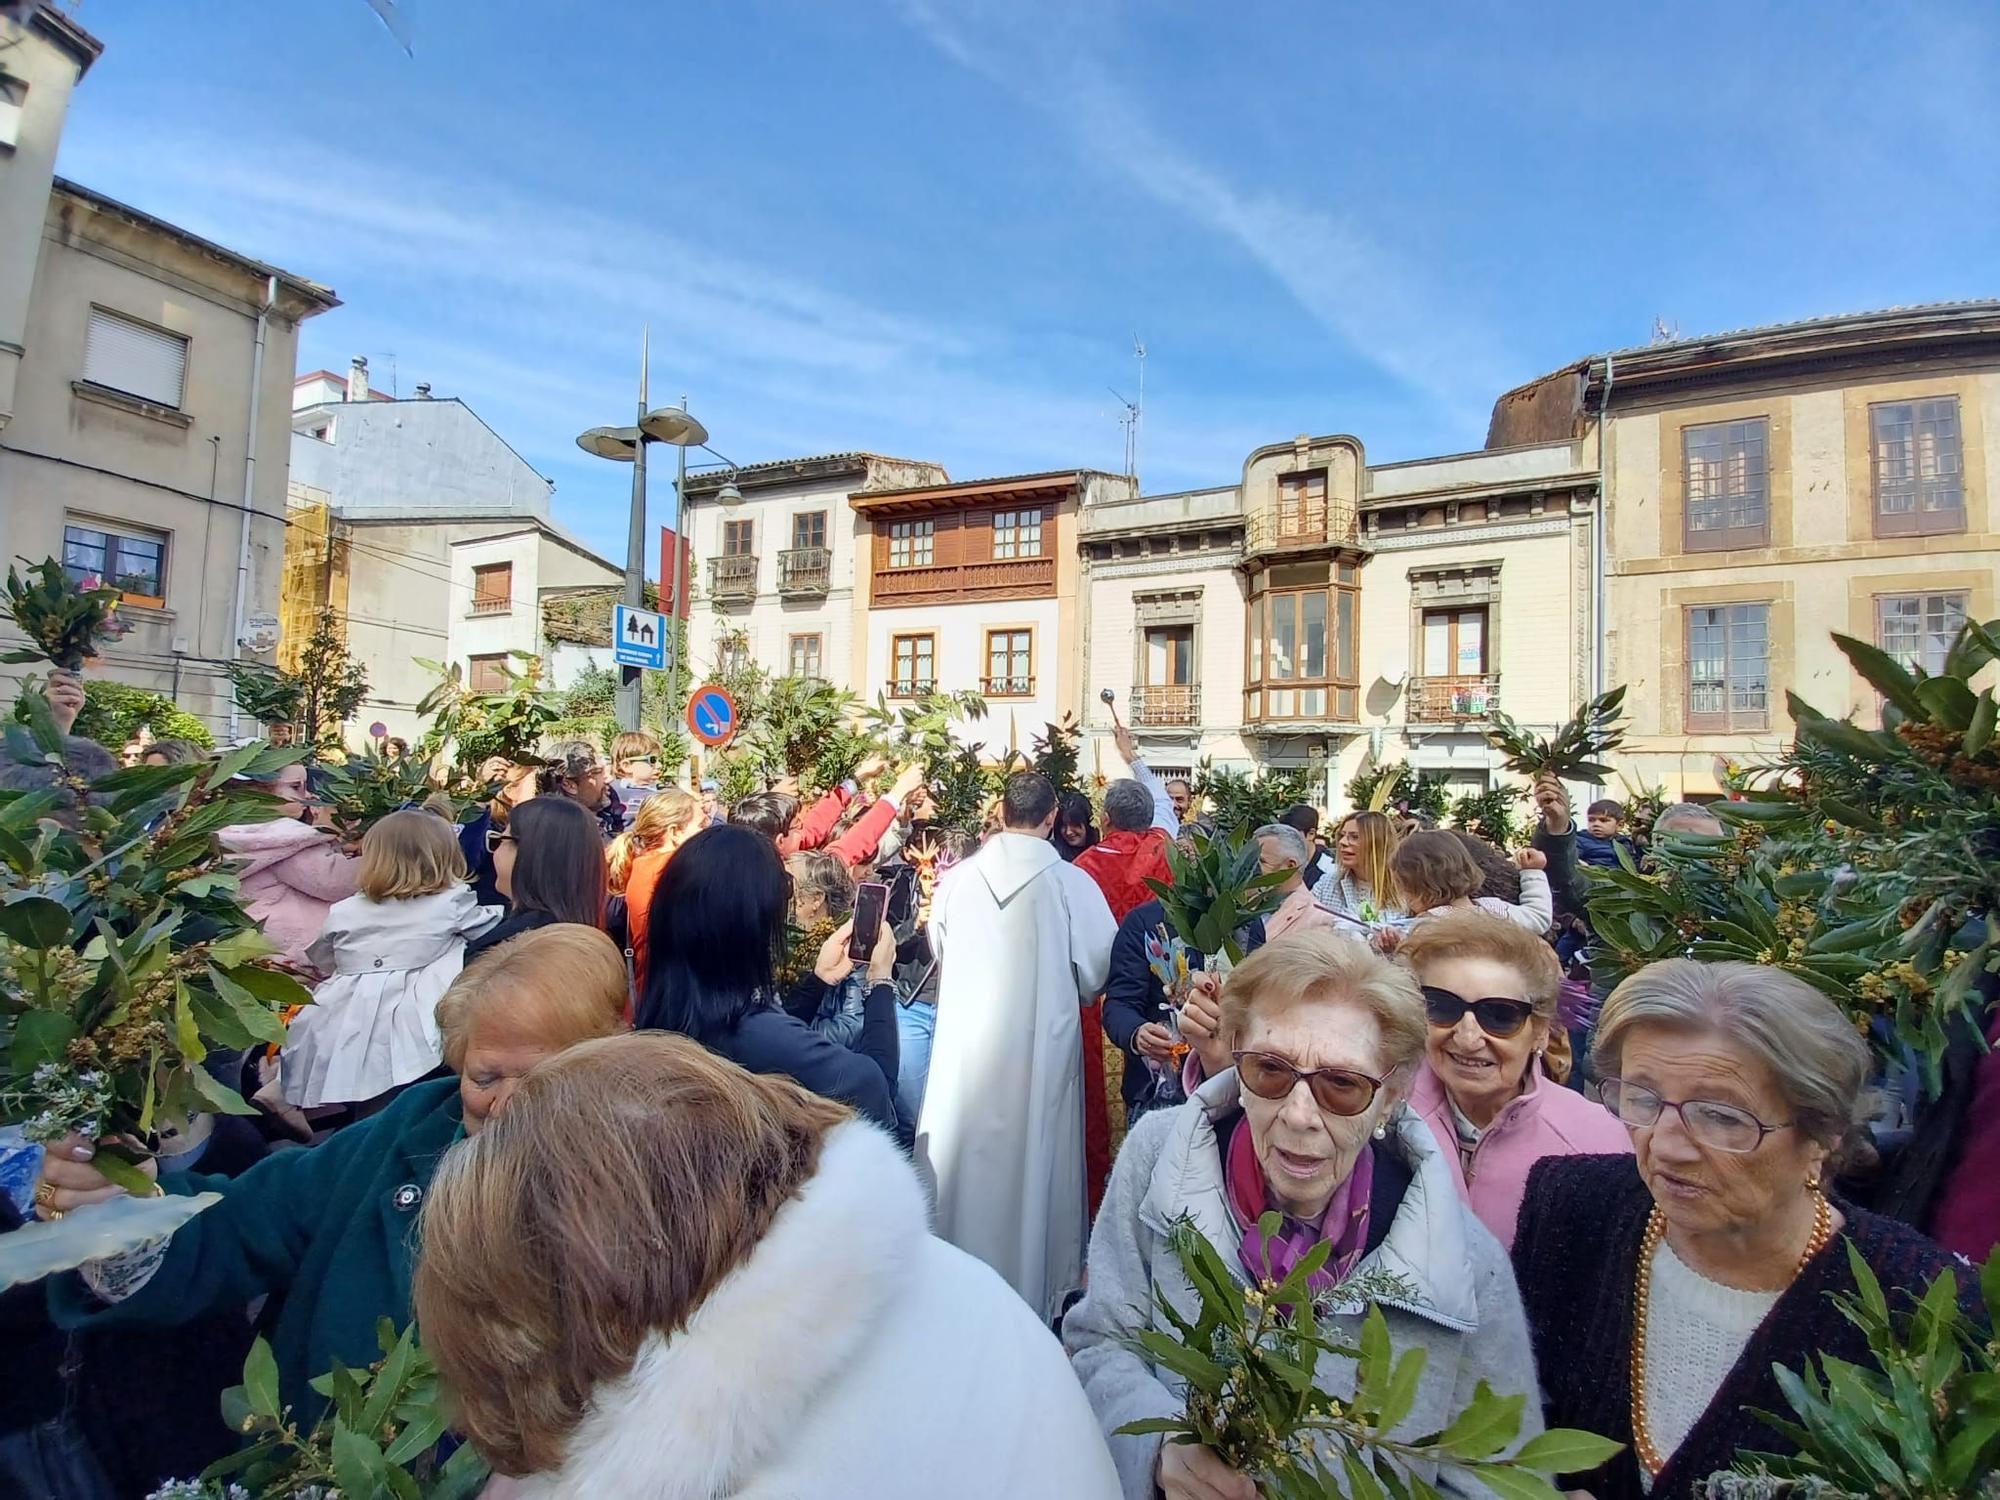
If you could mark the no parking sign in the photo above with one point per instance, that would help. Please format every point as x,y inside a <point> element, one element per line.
<point>711,715</point>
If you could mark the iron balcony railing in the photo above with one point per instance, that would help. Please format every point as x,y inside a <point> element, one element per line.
<point>733,576</point>
<point>1444,700</point>
<point>1175,705</point>
<point>804,570</point>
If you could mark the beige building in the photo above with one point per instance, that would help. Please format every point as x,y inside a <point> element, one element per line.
<point>1769,488</point>
<point>1346,615</point>
<point>144,375</point>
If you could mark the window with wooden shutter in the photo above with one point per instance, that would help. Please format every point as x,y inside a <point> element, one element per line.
<point>809,529</point>
<point>915,665</point>
<point>486,674</point>
<point>739,538</point>
<point>1918,629</point>
<point>493,589</point>
<point>805,656</point>
<point>1728,485</point>
<point>1729,668</point>
<point>1010,663</point>
<point>1919,468</point>
<point>122,354</point>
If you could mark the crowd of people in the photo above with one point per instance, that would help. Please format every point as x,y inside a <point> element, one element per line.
<point>693,1194</point>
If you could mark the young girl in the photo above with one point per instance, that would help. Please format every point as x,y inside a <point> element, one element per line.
<point>1359,884</point>
<point>392,950</point>
<point>1433,874</point>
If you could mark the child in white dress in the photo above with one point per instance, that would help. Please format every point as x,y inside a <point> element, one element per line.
<point>389,952</point>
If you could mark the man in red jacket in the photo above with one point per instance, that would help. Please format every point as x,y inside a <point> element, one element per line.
<point>1139,821</point>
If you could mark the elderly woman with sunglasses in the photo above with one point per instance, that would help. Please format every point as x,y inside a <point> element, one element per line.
<point>1490,990</point>
<point>1325,1036</point>
<point>1662,1287</point>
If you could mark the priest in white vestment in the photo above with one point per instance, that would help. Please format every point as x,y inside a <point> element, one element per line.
<point>1023,940</point>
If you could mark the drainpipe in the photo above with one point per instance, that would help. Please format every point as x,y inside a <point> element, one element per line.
<point>1597,533</point>
<point>249,498</point>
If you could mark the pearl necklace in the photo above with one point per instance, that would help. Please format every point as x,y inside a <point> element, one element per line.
<point>1656,1230</point>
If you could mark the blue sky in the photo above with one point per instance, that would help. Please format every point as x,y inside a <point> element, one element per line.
<point>932,227</point>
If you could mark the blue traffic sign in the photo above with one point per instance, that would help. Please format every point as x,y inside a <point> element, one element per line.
<point>711,715</point>
<point>639,637</point>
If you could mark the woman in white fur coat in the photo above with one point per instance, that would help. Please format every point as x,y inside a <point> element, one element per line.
<point>659,1277</point>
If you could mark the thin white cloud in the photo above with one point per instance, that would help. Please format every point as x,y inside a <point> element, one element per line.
<point>1382,309</point>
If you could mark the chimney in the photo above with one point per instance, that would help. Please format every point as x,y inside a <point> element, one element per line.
<point>357,379</point>
<point>424,390</point>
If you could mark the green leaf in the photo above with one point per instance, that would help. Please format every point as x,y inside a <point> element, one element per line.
<point>119,1171</point>
<point>274,987</point>
<point>462,1475</point>
<point>232,764</point>
<point>41,720</point>
<point>252,1014</point>
<point>1401,1397</point>
<point>187,1031</point>
<point>39,1036</point>
<point>217,1098</point>
<point>358,1465</point>
<point>1153,1426</point>
<point>1884,673</point>
<point>389,1382</point>
<point>260,1380</point>
<point>1376,1365</point>
<point>1979,732</point>
<point>1488,1423</point>
<point>35,922</point>
<point>1515,1484</point>
<point>240,947</point>
<point>1565,1450</point>
<point>1361,1481</point>
<point>236,1413</point>
<point>1950,701</point>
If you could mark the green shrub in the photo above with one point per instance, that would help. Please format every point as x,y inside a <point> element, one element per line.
<point>115,711</point>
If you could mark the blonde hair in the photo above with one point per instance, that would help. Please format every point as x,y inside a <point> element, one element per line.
<point>1377,832</point>
<point>565,982</point>
<point>1432,869</point>
<point>667,811</point>
<point>1313,967</point>
<point>1476,934</point>
<point>409,854</point>
<point>626,1178</point>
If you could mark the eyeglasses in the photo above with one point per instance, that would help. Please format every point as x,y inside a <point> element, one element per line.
<point>1496,1017</point>
<point>495,837</point>
<point>1338,1091</point>
<point>1722,1126</point>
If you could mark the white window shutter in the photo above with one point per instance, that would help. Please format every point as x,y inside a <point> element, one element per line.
<point>130,357</point>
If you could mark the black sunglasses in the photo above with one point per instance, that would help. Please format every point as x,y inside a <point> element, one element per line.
<point>495,837</point>
<point>1496,1017</point>
<point>1338,1091</point>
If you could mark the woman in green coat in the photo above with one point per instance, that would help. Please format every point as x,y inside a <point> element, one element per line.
<point>328,1233</point>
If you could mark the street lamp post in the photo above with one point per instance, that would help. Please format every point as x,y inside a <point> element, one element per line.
<point>670,425</point>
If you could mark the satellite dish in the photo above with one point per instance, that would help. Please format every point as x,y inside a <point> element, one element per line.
<point>671,425</point>
<point>618,444</point>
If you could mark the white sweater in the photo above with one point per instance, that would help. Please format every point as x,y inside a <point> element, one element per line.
<point>1695,1331</point>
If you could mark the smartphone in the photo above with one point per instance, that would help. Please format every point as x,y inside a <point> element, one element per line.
<point>871,900</point>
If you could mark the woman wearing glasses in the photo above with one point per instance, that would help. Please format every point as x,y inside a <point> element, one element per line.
<point>1662,1287</point>
<point>548,862</point>
<point>1490,991</point>
<point>1325,1036</point>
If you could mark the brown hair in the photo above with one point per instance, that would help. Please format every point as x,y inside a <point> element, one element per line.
<point>625,1179</point>
<point>665,811</point>
<point>1431,868</point>
<point>1477,934</point>
<point>1499,876</point>
<point>563,982</point>
<point>409,854</point>
<point>1312,967</point>
<point>826,877</point>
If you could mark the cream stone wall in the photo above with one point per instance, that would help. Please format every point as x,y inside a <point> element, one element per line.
<point>1822,571</point>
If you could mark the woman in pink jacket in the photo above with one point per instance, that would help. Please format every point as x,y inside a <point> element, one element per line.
<point>1490,990</point>
<point>293,872</point>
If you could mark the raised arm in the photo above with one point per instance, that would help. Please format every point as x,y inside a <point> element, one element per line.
<point>1164,816</point>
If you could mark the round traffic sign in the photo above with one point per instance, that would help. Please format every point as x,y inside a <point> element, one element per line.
<point>711,715</point>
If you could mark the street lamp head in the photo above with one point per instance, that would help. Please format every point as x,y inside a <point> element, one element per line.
<point>619,444</point>
<point>671,425</point>
<point>729,494</point>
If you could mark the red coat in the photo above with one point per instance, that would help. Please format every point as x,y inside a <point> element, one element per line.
<point>1122,862</point>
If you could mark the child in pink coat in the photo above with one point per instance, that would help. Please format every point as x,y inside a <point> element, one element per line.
<point>292,873</point>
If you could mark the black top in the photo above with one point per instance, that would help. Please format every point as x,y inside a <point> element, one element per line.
<point>769,1040</point>
<point>1576,1253</point>
<point>1133,994</point>
<point>509,926</point>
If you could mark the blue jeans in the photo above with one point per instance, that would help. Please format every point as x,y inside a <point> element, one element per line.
<point>916,1022</point>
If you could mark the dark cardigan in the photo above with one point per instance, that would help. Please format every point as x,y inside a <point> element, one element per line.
<point>1575,1255</point>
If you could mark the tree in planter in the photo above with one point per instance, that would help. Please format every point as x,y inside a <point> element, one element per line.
<point>331,682</point>
<point>1240,801</point>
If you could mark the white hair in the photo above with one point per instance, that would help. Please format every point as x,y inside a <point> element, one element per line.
<point>1291,843</point>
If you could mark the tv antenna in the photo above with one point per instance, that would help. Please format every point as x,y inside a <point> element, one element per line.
<point>1130,422</point>
<point>1665,332</point>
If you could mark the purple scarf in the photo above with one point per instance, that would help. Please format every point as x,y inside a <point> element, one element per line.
<point>1345,1221</point>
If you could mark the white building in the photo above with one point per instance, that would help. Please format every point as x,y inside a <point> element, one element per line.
<point>776,570</point>
<point>446,536</point>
